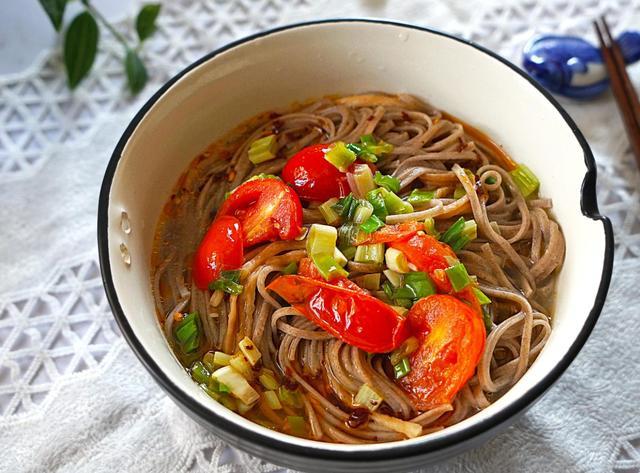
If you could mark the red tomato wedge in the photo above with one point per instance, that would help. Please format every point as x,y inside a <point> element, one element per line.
<point>268,209</point>
<point>354,317</point>
<point>313,177</point>
<point>452,338</point>
<point>390,233</point>
<point>221,248</point>
<point>429,255</point>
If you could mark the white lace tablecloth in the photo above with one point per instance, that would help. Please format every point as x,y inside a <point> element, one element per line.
<point>72,395</point>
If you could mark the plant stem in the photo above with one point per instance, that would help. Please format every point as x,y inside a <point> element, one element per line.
<point>106,24</point>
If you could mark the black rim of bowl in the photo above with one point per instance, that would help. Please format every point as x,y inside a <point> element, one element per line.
<point>589,208</point>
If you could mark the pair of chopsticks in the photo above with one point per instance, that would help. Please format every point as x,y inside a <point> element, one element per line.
<point>625,95</point>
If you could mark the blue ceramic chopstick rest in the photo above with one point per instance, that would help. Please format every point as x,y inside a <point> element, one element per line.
<point>571,66</point>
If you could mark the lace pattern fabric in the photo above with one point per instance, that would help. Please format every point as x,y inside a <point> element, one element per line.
<point>72,395</point>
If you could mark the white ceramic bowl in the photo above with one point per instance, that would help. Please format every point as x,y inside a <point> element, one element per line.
<point>275,68</point>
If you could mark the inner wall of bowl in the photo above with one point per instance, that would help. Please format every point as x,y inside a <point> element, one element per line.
<point>315,60</point>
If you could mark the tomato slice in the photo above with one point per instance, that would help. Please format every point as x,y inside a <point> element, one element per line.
<point>452,338</point>
<point>429,255</point>
<point>390,233</point>
<point>354,317</point>
<point>313,177</point>
<point>268,209</point>
<point>221,248</point>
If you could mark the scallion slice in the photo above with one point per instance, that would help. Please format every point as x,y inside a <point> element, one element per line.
<point>321,239</point>
<point>298,425</point>
<point>263,149</point>
<point>388,182</point>
<point>372,224</point>
<point>396,260</point>
<point>228,282</point>
<point>525,179</point>
<point>458,276</point>
<point>271,398</point>
<point>430,227</point>
<point>394,204</point>
<point>376,198</point>
<point>361,180</point>
<point>250,350</point>
<point>453,232</point>
<point>368,398</point>
<point>291,268</point>
<point>328,266</point>
<point>268,379</point>
<point>340,156</point>
<point>199,372</point>
<point>370,253</point>
<point>237,384</point>
<point>481,296</point>
<point>363,212</point>
<point>420,283</point>
<point>402,369</point>
<point>328,212</point>
<point>419,197</point>
<point>290,398</point>
<point>187,333</point>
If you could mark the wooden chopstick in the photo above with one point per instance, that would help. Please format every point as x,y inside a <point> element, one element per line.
<point>623,91</point>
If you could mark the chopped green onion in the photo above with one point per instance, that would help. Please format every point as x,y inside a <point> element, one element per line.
<point>187,333</point>
<point>459,192</point>
<point>237,384</point>
<point>297,425</point>
<point>328,212</point>
<point>481,296</point>
<point>418,197</point>
<point>210,392</point>
<point>370,282</point>
<point>404,303</point>
<point>407,348</point>
<point>241,365</point>
<point>405,293</point>
<point>207,359</point>
<point>430,227</point>
<point>420,283</point>
<point>349,252</point>
<point>291,268</point>
<point>525,179</point>
<point>376,198</point>
<point>228,282</point>
<point>328,266</point>
<point>394,204</point>
<point>487,318</point>
<point>340,258</point>
<point>396,260</point>
<point>271,398</point>
<point>388,182</point>
<point>364,211</point>
<point>263,149</point>
<point>370,146</point>
<point>348,235</point>
<point>453,232</point>
<point>346,207</point>
<point>268,379</point>
<point>372,224</point>
<point>393,277</point>
<point>340,156</point>
<point>321,239</point>
<point>368,398</point>
<point>388,289</point>
<point>400,310</point>
<point>262,175</point>
<point>361,180</point>
<point>221,359</point>
<point>458,276</point>
<point>490,180</point>
<point>222,388</point>
<point>370,253</point>
<point>250,350</point>
<point>468,234</point>
<point>402,369</point>
<point>199,372</point>
<point>290,398</point>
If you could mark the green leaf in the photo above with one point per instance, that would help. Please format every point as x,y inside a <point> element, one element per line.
<point>136,72</point>
<point>55,10</point>
<point>80,46</point>
<point>146,20</point>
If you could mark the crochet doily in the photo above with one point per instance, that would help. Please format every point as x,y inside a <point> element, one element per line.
<point>72,395</point>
